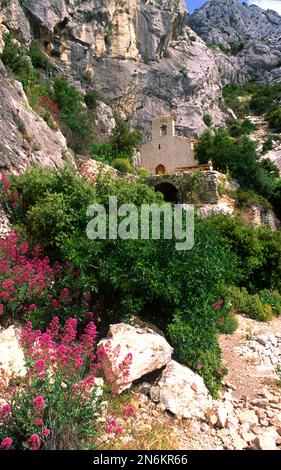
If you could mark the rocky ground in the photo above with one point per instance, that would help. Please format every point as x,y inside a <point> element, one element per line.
<point>246,416</point>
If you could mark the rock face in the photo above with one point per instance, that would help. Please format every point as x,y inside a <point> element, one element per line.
<point>251,36</point>
<point>149,351</point>
<point>24,136</point>
<point>139,55</point>
<point>12,361</point>
<point>182,392</point>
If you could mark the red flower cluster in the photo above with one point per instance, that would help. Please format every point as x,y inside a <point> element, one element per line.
<point>32,287</point>
<point>49,105</point>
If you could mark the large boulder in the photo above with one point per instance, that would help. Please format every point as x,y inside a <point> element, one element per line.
<point>147,351</point>
<point>12,362</point>
<point>182,392</point>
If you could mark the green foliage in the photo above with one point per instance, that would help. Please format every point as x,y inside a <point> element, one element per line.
<point>124,141</point>
<point>246,198</point>
<point>265,98</point>
<point>251,305</point>
<point>147,277</point>
<point>268,145</point>
<point>270,167</point>
<point>232,96</point>
<point>272,298</point>
<point>15,57</point>
<point>233,49</point>
<point>123,165</point>
<point>237,128</point>
<point>258,251</point>
<point>228,324</point>
<point>196,345</point>
<point>274,118</point>
<point>38,58</point>
<point>238,156</point>
<point>91,99</point>
<point>207,119</point>
<point>52,205</point>
<point>78,123</point>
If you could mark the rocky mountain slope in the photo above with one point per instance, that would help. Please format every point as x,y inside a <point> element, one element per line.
<point>140,56</point>
<point>248,39</point>
<point>24,136</point>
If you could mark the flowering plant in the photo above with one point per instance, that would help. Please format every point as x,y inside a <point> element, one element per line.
<point>56,405</point>
<point>32,288</point>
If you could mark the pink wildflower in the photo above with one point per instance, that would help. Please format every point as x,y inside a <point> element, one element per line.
<point>39,402</point>
<point>6,444</point>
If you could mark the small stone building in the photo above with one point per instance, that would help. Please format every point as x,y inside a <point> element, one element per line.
<point>167,152</point>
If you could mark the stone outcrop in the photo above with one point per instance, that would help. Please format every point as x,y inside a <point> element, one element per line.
<point>24,136</point>
<point>149,351</point>
<point>12,362</point>
<point>247,39</point>
<point>182,392</point>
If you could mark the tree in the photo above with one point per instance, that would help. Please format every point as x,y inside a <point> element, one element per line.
<point>124,141</point>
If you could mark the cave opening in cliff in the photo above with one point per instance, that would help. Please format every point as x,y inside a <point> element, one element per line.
<point>169,192</point>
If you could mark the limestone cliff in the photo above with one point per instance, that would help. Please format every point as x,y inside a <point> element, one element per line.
<point>251,36</point>
<point>140,55</point>
<point>24,136</point>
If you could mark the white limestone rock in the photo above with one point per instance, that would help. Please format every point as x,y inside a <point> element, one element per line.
<point>182,392</point>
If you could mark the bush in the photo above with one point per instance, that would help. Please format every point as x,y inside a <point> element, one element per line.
<point>239,157</point>
<point>39,60</point>
<point>228,324</point>
<point>78,123</point>
<point>251,305</point>
<point>249,198</point>
<point>274,119</point>
<point>238,128</point>
<point>272,298</point>
<point>123,165</point>
<point>197,347</point>
<point>15,57</point>
<point>258,251</point>
<point>147,277</point>
<point>57,404</point>
<point>124,141</point>
<point>268,145</point>
<point>207,119</point>
<point>91,99</point>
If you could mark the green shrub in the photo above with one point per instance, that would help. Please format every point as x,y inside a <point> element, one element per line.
<point>124,141</point>
<point>38,58</point>
<point>78,123</point>
<point>238,128</point>
<point>249,198</point>
<point>272,298</point>
<point>228,324</point>
<point>274,119</point>
<point>268,145</point>
<point>251,305</point>
<point>197,347</point>
<point>238,156</point>
<point>258,251</point>
<point>15,57</point>
<point>207,119</point>
<point>123,165</point>
<point>91,99</point>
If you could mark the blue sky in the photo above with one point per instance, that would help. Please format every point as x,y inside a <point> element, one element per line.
<point>271,4</point>
<point>192,4</point>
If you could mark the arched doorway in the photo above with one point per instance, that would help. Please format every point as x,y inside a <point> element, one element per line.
<point>160,170</point>
<point>169,192</point>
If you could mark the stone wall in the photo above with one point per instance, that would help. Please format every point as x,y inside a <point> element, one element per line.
<point>192,188</point>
